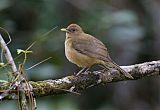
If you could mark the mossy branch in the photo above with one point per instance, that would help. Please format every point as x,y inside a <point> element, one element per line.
<point>76,84</point>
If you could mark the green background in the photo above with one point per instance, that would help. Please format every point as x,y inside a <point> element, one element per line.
<point>129,28</point>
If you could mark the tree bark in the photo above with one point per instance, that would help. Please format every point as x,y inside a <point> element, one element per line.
<point>76,84</point>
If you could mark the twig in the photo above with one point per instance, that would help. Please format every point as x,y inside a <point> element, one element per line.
<point>17,83</point>
<point>38,63</point>
<point>6,43</point>
<point>10,61</point>
<point>8,55</point>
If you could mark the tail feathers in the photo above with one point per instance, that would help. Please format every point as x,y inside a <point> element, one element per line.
<point>114,65</point>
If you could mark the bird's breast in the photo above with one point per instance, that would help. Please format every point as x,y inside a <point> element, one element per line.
<point>77,58</point>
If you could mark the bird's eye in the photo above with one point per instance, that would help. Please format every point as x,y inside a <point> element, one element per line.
<point>73,30</point>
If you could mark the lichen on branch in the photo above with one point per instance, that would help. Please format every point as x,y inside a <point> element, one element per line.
<point>77,84</point>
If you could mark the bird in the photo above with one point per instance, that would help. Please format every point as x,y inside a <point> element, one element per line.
<point>85,50</point>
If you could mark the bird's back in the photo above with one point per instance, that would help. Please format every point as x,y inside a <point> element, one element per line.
<point>90,46</point>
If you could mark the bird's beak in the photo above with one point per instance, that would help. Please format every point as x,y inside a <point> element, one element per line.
<point>64,29</point>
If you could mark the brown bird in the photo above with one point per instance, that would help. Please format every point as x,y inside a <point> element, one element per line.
<point>84,50</point>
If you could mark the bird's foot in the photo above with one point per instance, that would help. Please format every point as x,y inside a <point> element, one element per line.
<point>128,75</point>
<point>104,68</point>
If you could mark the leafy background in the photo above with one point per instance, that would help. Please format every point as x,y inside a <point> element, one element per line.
<point>129,28</point>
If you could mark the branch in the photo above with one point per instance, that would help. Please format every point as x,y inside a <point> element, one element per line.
<point>10,61</point>
<point>74,84</point>
<point>14,84</point>
<point>7,54</point>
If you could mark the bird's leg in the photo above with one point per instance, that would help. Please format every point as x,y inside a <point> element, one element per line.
<point>80,71</point>
<point>104,67</point>
<point>86,70</point>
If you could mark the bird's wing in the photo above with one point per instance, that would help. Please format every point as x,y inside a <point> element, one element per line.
<point>91,47</point>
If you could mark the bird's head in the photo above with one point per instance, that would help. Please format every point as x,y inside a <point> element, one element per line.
<point>73,29</point>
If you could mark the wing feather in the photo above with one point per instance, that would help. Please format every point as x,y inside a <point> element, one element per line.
<point>91,47</point>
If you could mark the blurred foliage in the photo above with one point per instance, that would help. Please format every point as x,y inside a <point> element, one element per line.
<point>129,28</point>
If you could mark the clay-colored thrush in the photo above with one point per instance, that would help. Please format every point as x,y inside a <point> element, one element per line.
<point>84,50</point>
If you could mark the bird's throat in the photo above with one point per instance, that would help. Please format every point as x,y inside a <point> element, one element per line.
<point>67,36</point>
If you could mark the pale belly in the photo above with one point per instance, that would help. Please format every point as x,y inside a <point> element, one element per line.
<point>77,58</point>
